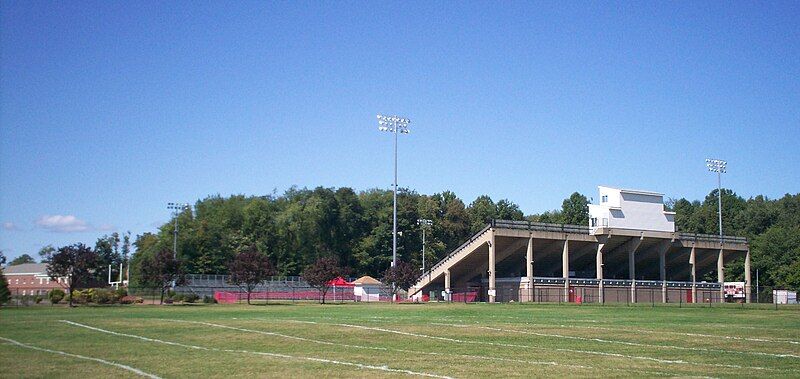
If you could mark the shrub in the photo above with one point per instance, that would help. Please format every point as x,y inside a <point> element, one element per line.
<point>102,296</point>
<point>120,292</point>
<point>79,297</point>
<point>131,300</point>
<point>38,299</point>
<point>209,299</point>
<point>191,297</point>
<point>56,295</point>
<point>168,301</point>
<point>89,293</point>
<point>177,297</point>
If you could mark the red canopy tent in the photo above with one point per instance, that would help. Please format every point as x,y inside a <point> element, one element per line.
<point>340,282</point>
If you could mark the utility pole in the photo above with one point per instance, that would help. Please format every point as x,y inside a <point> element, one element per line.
<point>176,210</point>
<point>424,224</point>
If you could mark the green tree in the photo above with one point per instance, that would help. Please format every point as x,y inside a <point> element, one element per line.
<point>45,253</point>
<point>5,294</point>
<point>22,259</point>
<point>576,209</point>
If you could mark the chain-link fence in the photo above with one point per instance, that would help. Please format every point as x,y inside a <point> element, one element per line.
<point>294,290</point>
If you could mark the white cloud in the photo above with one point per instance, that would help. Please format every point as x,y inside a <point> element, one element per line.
<point>106,228</point>
<point>64,224</point>
<point>10,226</point>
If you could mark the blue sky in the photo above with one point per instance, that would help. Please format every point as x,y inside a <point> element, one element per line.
<point>109,110</point>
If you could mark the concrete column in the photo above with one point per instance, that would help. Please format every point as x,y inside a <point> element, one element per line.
<point>492,277</point>
<point>692,261</point>
<point>565,269</point>
<point>447,285</point>
<point>747,278</point>
<point>632,273</point>
<point>529,269</point>
<point>662,264</point>
<point>599,262</point>
<point>721,274</point>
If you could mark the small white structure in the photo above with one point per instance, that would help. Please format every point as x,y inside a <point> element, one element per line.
<point>784,297</point>
<point>367,289</point>
<point>630,209</point>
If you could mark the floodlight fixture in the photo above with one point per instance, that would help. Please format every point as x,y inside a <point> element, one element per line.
<point>720,167</point>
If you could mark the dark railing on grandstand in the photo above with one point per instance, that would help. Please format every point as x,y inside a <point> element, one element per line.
<point>508,224</point>
<point>711,238</point>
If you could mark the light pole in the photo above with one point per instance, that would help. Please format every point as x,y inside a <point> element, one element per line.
<point>718,166</point>
<point>424,224</point>
<point>394,124</point>
<point>176,209</point>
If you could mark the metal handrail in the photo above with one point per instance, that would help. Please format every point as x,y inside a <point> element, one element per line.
<point>711,238</point>
<point>454,252</point>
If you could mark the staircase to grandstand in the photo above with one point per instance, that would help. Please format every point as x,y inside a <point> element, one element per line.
<point>454,257</point>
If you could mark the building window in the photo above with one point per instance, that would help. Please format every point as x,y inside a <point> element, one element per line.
<point>593,222</point>
<point>16,281</point>
<point>605,222</point>
<point>604,199</point>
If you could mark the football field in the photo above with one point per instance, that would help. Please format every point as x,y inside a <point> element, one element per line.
<point>398,340</point>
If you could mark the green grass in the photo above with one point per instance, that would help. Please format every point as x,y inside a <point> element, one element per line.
<point>454,340</point>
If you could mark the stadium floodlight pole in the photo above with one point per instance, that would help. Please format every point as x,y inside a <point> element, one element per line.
<point>424,223</point>
<point>176,209</point>
<point>719,166</point>
<point>394,124</point>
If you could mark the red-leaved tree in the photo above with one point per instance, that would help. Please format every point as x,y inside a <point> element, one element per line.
<point>72,266</point>
<point>162,270</point>
<point>249,269</point>
<point>320,273</point>
<point>401,276</point>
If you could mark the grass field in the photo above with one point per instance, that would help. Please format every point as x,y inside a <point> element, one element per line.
<point>386,340</point>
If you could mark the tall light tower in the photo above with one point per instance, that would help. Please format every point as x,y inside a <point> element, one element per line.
<point>176,210</point>
<point>394,124</point>
<point>424,224</point>
<point>718,166</point>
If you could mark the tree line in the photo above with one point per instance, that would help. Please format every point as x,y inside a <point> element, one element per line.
<point>296,229</point>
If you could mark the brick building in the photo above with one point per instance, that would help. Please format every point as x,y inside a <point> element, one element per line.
<point>29,279</point>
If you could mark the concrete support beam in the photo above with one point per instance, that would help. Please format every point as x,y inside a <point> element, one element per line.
<point>599,262</point>
<point>721,274</point>
<point>632,247</point>
<point>492,273</point>
<point>692,261</point>
<point>529,269</point>
<point>747,278</point>
<point>447,290</point>
<point>662,266</point>
<point>565,269</point>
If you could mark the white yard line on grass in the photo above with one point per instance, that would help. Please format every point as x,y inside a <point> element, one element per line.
<point>625,329</point>
<point>592,339</point>
<point>267,354</point>
<point>602,353</point>
<point>337,344</point>
<point>98,360</point>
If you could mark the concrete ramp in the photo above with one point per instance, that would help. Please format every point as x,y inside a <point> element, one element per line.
<point>439,269</point>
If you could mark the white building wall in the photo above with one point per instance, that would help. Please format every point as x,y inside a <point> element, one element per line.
<point>629,209</point>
